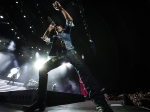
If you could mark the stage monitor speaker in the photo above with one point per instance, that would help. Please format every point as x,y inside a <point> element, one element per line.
<point>27,97</point>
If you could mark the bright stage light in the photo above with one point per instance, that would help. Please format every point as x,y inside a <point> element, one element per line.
<point>12,46</point>
<point>39,63</point>
<point>37,55</point>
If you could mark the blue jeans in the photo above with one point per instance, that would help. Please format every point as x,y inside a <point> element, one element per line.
<point>92,87</point>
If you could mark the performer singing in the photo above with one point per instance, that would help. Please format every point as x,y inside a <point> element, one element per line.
<point>67,52</point>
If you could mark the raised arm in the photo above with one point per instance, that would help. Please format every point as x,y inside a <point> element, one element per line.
<point>58,7</point>
<point>47,32</point>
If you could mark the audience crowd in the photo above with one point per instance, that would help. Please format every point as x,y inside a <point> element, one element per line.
<point>138,99</point>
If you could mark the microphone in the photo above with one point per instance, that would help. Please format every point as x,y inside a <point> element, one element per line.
<point>49,19</point>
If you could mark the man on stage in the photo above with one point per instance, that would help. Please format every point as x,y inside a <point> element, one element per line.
<point>66,52</point>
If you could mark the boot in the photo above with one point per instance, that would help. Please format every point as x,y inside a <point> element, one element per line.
<point>40,103</point>
<point>36,105</point>
<point>104,108</point>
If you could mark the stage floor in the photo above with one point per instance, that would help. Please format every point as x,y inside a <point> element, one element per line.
<point>86,106</point>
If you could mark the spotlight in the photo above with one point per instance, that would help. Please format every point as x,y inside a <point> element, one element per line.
<point>90,41</point>
<point>16,2</point>
<point>82,56</point>
<point>1,17</point>
<point>39,63</point>
<point>11,46</point>
<point>37,55</point>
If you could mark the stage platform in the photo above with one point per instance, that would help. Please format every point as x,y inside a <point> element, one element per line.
<point>55,105</point>
<point>86,106</point>
<point>11,87</point>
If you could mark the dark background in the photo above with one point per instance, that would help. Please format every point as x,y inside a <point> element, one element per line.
<point>118,57</point>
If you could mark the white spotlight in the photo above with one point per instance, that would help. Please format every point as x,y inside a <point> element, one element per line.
<point>11,46</point>
<point>39,63</point>
<point>90,40</point>
<point>37,55</point>
<point>82,56</point>
<point>2,17</point>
